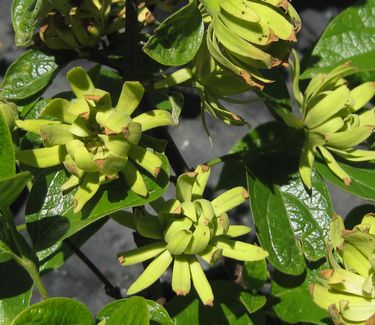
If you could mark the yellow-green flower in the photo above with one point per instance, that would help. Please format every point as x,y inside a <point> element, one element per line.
<point>186,228</point>
<point>94,140</point>
<point>249,36</point>
<point>80,24</point>
<point>334,118</point>
<point>347,289</point>
<point>214,84</point>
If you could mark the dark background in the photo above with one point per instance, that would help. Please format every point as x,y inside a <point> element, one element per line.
<point>74,279</point>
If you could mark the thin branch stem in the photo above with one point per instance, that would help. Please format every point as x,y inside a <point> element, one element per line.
<point>34,274</point>
<point>131,45</point>
<point>110,290</point>
<point>260,151</point>
<point>174,155</point>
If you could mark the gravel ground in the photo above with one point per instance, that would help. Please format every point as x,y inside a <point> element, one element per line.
<point>74,279</point>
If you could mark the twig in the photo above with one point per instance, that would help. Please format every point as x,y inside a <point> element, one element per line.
<point>131,45</point>
<point>110,290</point>
<point>174,155</point>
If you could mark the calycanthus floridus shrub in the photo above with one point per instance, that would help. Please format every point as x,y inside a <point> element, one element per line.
<point>91,154</point>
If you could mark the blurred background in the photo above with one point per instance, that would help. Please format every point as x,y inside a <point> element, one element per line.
<point>74,279</point>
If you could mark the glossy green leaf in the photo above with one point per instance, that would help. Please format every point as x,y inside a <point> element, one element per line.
<point>31,73</point>
<point>228,308</point>
<point>274,230</point>
<point>291,223</point>
<point>349,37</point>
<point>309,214</point>
<point>62,311</point>
<point>255,274</point>
<point>252,302</point>
<point>25,15</point>
<point>49,214</point>
<point>134,311</point>
<point>34,109</point>
<point>7,158</point>
<point>363,178</point>
<point>11,187</point>
<point>177,39</point>
<point>291,299</point>
<point>15,291</point>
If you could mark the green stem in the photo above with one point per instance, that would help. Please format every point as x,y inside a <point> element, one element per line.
<point>34,274</point>
<point>25,258</point>
<point>131,45</point>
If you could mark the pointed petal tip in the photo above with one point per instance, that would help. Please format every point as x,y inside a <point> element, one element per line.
<point>157,171</point>
<point>95,98</point>
<point>284,4</point>
<point>311,288</point>
<point>178,210</point>
<point>209,303</point>
<point>121,259</point>
<point>205,168</point>
<point>327,273</point>
<point>247,78</point>
<point>292,37</point>
<point>245,194</point>
<point>272,37</point>
<point>347,181</point>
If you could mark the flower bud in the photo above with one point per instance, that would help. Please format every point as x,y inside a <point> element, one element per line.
<point>80,25</point>
<point>249,36</point>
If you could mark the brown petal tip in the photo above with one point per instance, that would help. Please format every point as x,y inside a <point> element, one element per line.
<point>284,4</point>
<point>272,37</point>
<point>178,210</point>
<point>85,115</point>
<point>157,171</point>
<point>205,168</point>
<point>108,131</point>
<point>311,288</point>
<point>246,76</point>
<point>327,273</point>
<point>95,98</point>
<point>209,303</point>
